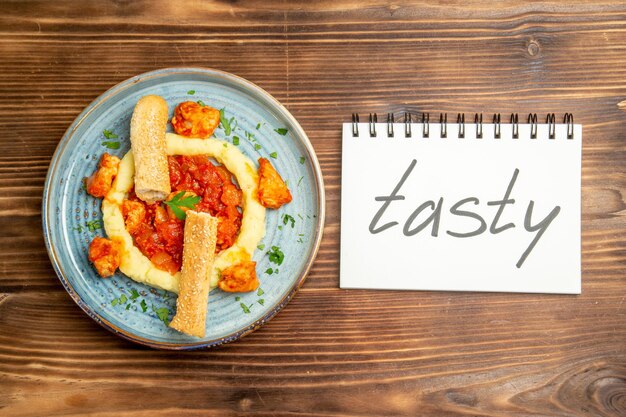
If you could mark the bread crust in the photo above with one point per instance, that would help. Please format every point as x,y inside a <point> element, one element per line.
<point>147,139</point>
<point>198,254</point>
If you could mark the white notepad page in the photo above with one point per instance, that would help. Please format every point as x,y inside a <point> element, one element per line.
<point>455,188</point>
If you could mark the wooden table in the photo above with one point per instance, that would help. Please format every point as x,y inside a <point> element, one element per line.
<point>330,352</point>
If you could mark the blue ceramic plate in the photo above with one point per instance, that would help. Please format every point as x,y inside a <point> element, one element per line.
<point>71,218</point>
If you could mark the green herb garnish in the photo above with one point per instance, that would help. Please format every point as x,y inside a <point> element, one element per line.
<point>94,225</point>
<point>123,299</point>
<point>191,92</point>
<point>237,298</point>
<point>281,131</point>
<point>261,301</point>
<point>245,308</point>
<point>258,126</point>
<point>257,146</point>
<point>226,123</point>
<point>115,302</point>
<point>302,159</point>
<point>276,255</point>
<point>179,200</point>
<point>260,246</point>
<point>79,229</point>
<point>260,292</point>
<point>236,140</point>
<point>280,227</point>
<point>300,180</point>
<point>127,306</point>
<point>274,155</point>
<point>109,134</point>
<point>287,218</point>
<point>111,145</point>
<point>269,271</point>
<point>162,313</point>
<point>144,306</point>
<point>200,102</point>
<point>133,294</point>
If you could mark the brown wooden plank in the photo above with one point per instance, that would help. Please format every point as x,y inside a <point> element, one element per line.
<point>385,353</point>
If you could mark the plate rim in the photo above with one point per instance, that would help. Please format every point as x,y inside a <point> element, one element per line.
<point>54,165</point>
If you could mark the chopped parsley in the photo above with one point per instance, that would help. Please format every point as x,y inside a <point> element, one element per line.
<point>179,200</point>
<point>191,92</point>
<point>200,102</point>
<point>300,216</point>
<point>115,302</point>
<point>274,155</point>
<point>300,180</point>
<point>78,229</point>
<point>302,159</point>
<point>281,131</point>
<point>260,246</point>
<point>245,308</point>
<point>258,126</point>
<point>269,271</point>
<point>257,146</point>
<point>109,134</point>
<point>127,306</point>
<point>111,144</point>
<point>162,313</point>
<point>276,255</point>
<point>123,299</point>
<point>226,123</point>
<point>260,292</point>
<point>237,298</point>
<point>280,227</point>
<point>261,301</point>
<point>236,140</point>
<point>134,294</point>
<point>287,218</point>
<point>94,225</point>
<point>144,306</point>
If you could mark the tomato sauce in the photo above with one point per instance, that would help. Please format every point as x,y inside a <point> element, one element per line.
<point>160,235</point>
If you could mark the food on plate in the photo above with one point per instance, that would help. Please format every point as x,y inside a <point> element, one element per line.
<point>273,192</point>
<point>195,120</point>
<point>99,184</point>
<point>240,277</point>
<point>198,255</point>
<point>184,214</point>
<point>147,139</point>
<point>141,268</point>
<point>105,255</point>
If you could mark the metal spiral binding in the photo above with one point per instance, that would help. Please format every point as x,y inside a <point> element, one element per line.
<point>478,121</point>
<point>551,121</point>
<point>460,119</point>
<point>496,125</point>
<point>532,121</point>
<point>390,122</point>
<point>568,119</point>
<point>372,124</point>
<point>355,125</point>
<point>443,122</point>
<point>407,125</point>
<point>515,123</point>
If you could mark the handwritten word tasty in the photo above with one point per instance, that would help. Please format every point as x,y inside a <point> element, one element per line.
<point>460,209</point>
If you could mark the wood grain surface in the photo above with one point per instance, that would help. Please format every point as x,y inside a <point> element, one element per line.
<point>330,352</point>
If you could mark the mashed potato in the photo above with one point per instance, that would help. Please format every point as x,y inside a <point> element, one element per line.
<point>135,264</point>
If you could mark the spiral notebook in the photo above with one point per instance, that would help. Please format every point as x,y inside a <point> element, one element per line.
<point>459,206</point>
